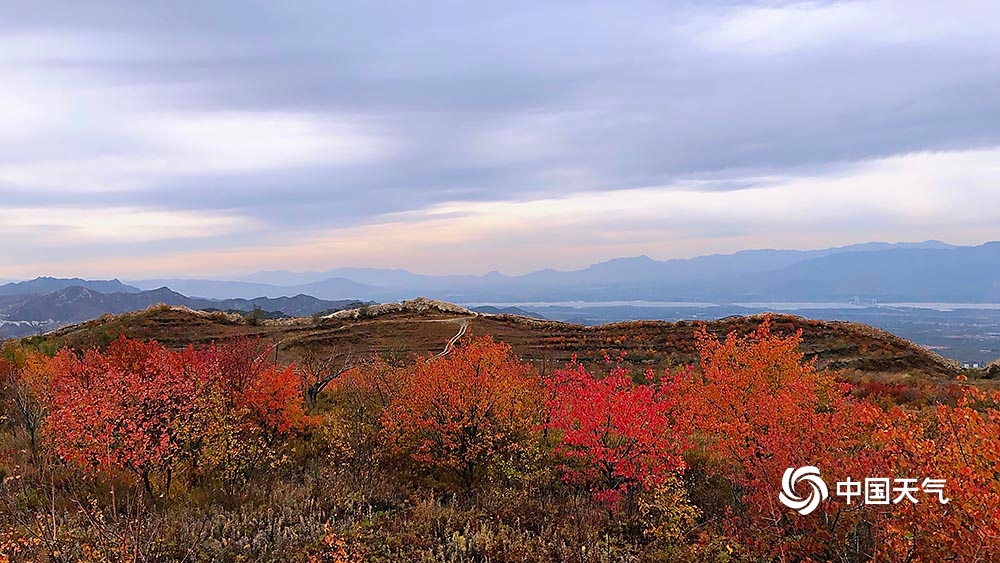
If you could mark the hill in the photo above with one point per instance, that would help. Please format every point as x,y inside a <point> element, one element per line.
<point>30,313</point>
<point>424,326</point>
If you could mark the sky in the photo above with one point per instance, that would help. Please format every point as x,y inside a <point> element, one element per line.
<point>194,139</point>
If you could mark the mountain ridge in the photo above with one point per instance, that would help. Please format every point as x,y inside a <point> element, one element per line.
<point>45,284</point>
<point>625,278</point>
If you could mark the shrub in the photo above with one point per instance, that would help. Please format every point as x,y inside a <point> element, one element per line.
<point>461,412</point>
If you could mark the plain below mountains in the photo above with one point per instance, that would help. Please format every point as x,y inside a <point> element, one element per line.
<point>926,271</point>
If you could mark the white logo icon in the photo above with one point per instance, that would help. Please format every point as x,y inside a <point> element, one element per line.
<point>810,475</point>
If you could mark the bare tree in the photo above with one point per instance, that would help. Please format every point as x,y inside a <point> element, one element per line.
<point>317,371</point>
<point>26,411</point>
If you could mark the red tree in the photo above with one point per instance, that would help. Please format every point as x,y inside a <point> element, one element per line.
<point>130,408</point>
<point>242,376</point>
<point>758,408</point>
<point>145,408</point>
<point>959,444</point>
<point>622,434</point>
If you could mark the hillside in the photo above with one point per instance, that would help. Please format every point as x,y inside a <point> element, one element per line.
<point>423,326</point>
<point>28,313</point>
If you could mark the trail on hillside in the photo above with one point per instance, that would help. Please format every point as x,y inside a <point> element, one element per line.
<point>451,343</point>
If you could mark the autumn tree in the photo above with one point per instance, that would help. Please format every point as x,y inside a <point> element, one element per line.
<point>241,370</point>
<point>23,386</point>
<point>757,407</point>
<point>621,434</point>
<point>461,412</point>
<point>246,408</point>
<point>145,408</point>
<point>353,424</point>
<point>959,444</point>
<point>130,408</point>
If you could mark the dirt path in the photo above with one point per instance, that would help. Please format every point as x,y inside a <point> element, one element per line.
<point>451,343</point>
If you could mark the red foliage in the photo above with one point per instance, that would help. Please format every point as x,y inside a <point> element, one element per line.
<point>960,444</point>
<point>131,407</point>
<point>246,382</point>
<point>6,370</point>
<point>142,407</point>
<point>622,432</point>
<point>758,409</point>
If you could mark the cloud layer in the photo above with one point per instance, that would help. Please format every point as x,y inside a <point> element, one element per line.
<point>204,139</point>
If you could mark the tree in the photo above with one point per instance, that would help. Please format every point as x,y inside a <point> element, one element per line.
<point>623,433</point>
<point>255,316</point>
<point>756,408</point>
<point>241,371</point>
<point>246,409</point>
<point>24,383</point>
<point>130,408</point>
<point>353,422</point>
<point>462,411</point>
<point>316,373</point>
<point>960,444</point>
<point>144,408</point>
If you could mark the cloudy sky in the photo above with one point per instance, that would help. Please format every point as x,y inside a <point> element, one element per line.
<point>147,139</point>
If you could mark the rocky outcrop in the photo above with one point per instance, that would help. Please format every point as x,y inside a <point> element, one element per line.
<point>418,305</point>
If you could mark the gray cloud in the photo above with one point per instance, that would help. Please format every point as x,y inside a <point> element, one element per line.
<point>480,102</point>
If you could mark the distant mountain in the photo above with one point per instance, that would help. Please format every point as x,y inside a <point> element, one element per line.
<point>930,270</point>
<point>29,313</point>
<point>639,273</point>
<point>297,306</point>
<point>375,277</point>
<point>41,286</point>
<point>962,274</point>
<point>638,277</point>
<point>336,288</point>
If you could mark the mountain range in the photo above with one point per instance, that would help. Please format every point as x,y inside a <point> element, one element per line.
<point>930,270</point>
<point>41,286</point>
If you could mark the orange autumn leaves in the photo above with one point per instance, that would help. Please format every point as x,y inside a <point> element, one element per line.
<point>465,410</point>
<point>752,408</point>
<point>723,432</point>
